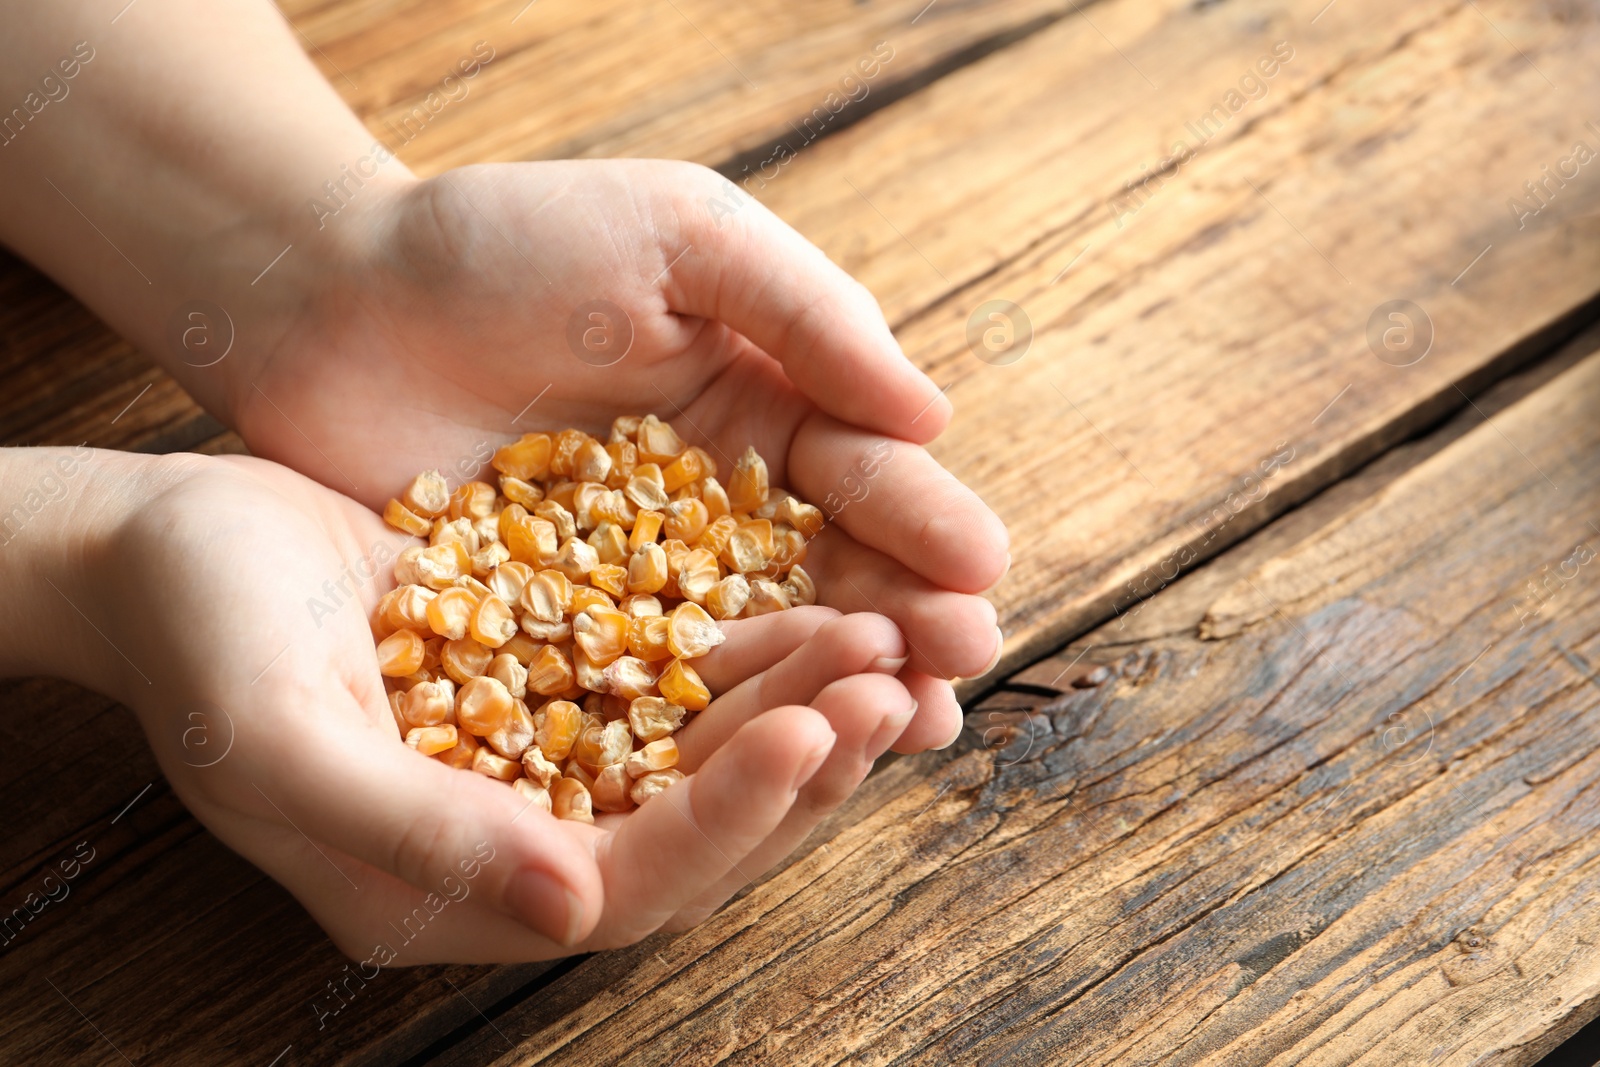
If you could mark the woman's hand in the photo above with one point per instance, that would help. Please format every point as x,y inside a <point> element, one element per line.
<point>451,315</point>
<point>234,596</point>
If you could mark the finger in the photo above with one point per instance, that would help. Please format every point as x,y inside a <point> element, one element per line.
<point>895,497</point>
<point>755,644</point>
<point>756,274</point>
<point>424,823</point>
<point>937,723</point>
<point>867,713</point>
<point>950,635</point>
<point>841,647</point>
<point>678,843</point>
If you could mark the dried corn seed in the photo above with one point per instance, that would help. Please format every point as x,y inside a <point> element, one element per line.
<point>686,520</point>
<point>512,739</point>
<point>591,462</point>
<point>625,427</point>
<point>601,633</point>
<point>448,531</point>
<point>487,529</point>
<point>508,579</point>
<point>640,605</point>
<point>555,729</point>
<point>610,577</point>
<point>400,653</point>
<point>432,649</point>
<point>799,586</point>
<point>523,647</point>
<point>576,559</point>
<point>586,672</point>
<point>407,607</point>
<point>744,552</point>
<point>629,677</point>
<point>527,458</point>
<point>483,706</point>
<point>658,442</point>
<point>521,492</point>
<point>478,590</point>
<point>766,597</point>
<point>439,565</point>
<point>550,672</point>
<point>551,633</point>
<point>464,660</point>
<point>474,500</point>
<point>697,575</point>
<point>610,744</point>
<point>715,497</point>
<point>460,757</point>
<point>610,792</point>
<point>691,632</point>
<point>653,784</point>
<point>647,570</point>
<point>540,770</point>
<point>747,485</point>
<point>609,542</point>
<point>681,684</point>
<point>687,468</point>
<point>408,566</point>
<point>529,539</point>
<point>646,525</point>
<point>546,596</point>
<point>715,538</point>
<point>570,800</point>
<point>564,451</point>
<point>396,702</point>
<point>427,495</point>
<point>654,717</point>
<point>647,638</point>
<point>728,597</point>
<point>506,669</point>
<point>488,559</point>
<point>450,612</point>
<point>556,514</point>
<point>624,457</point>
<point>429,740</point>
<point>493,624</point>
<point>788,547</point>
<point>378,618</point>
<point>656,756</point>
<point>646,493</point>
<point>485,761</point>
<point>430,704</point>
<point>405,520</point>
<point>536,795</point>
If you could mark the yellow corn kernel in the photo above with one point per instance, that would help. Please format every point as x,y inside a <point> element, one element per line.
<point>474,500</point>
<point>536,795</point>
<point>527,458</point>
<point>653,784</point>
<point>396,701</point>
<point>464,660</point>
<point>558,515</point>
<point>646,525</point>
<point>602,745</point>
<point>460,757</point>
<point>747,485</point>
<point>483,706</point>
<point>408,566</point>
<point>548,633</point>
<point>610,542</point>
<point>522,647</point>
<point>587,673</point>
<point>807,518</point>
<point>539,769</point>
<point>430,704</point>
<point>378,618</point>
<point>473,586</point>
<point>765,597</point>
<point>728,597</point>
<point>577,771</point>
<point>744,552</point>
<point>686,520</point>
<point>585,498</point>
<point>488,558</point>
<point>546,596</point>
<point>440,565</point>
<point>485,761</point>
<point>550,673</point>
<point>658,442</point>
<point>432,648</point>
<point>400,653</point>
<point>405,520</point>
<point>564,451</point>
<point>681,684</point>
<point>429,740</point>
<point>493,624</point>
<point>407,607</point>
<point>450,612</point>
<point>508,579</point>
<point>615,507</point>
<point>654,717</point>
<point>506,669</point>
<point>647,638</point>
<point>513,738</point>
<point>520,492</point>
<point>555,729</point>
<point>799,587</point>
<point>610,577</point>
<point>687,468</point>
<point>591,462</point>
<point>601,633</point>
<point>647,570</point>
<point>715,498</point>
<point>529,539</point>
<point>715,538</point>
<point>629,677</point>
<point>691,633</point>
<point>625,427</point>
<point>427,495</point>
<point>624,457</point>
<point>656,756</point>
<point>639,605</point>
<point>645,492</point>
<point>576,559</point>
<point>611,787</point>
<point>697,575</point>
<point>570,800</point>
<point>788,546</point>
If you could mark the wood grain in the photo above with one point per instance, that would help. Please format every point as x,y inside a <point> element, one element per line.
<point>1351,818</point>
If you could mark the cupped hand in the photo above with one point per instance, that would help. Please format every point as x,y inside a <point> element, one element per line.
<point>498,299</point>
<point>238,595</point>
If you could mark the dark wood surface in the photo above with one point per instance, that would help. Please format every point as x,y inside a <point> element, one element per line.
<point>1208,830</point>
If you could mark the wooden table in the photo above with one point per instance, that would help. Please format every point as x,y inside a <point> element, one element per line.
<point>1295,759</point>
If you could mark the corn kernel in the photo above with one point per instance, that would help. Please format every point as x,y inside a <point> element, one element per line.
<point>610,577</point>
<point>624,457</point>
<point>578,772</point>
<point>400,653</point>
<point>609,542</point>
<point>493,624</point>
<point>686,520</point>
<point>408,566</point>
<point>529,539</point>
<point>460,757</point>
<point>474,500</point>
<point>576,559</point>
<point>647,570</point>
<point>550,633</point>
<point>429,740</point>
<point>654,717</point>
<point>540,770</point>
<point>537,796</point>
<point>550,672</point>
<point>527,458</point>
<point>715,538</point>
<point>483,706</point>
<point>564,451</point>
<point>485,761</point>
<point>591,462</point>
<point>450,612</point>
<point>647,638</point>
<point>427,495</point>
<point>570,800</point>
<point>681,684</point>
<point>697,575</point>
<point>799,587</point>
<point>728,597</point>
<point>378,618</point>
<point>656,756</point>
<point>488,558</point>
<point>646,525</point>
<point>646,493</point>
<point>658,442</point>
<point>439,565</point>
<point>587,673</point>
<point>555,729</point>
<point>405,520</point>
<point>611,787</point>
<point>715,498</point>
<point>556,514</point>
<point>640,605</point>
<point>628,677</point>
<point>506,669</point>
<point>407,607</point>
<point>508,579</point>
<point>513,738</point>
<point>687,468</point>
<point>454,531</point>
<point>478,590</point>
<point>522,647</point>
<point>601,633</point>
<point>464,660</point>
<point>520,492</point>
<point>744,552</point>
<point>691,632</point>
<point>788,547</point>
<point>430,704</point>
<point>747,485</point>
<point>765,597</point>
<point>625,427</point>
<point>653,784</point>
<point>396,701</point>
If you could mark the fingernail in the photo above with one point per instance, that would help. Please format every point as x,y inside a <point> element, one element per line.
<point>888,664</point>
<point>999,650</point>
<point>812,762</point>
<point>1002,577</point>
<point>547,906</point>
<point>889,730</point>
<point>960,725</point>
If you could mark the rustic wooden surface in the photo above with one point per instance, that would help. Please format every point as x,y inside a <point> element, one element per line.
<point>1173,871</point>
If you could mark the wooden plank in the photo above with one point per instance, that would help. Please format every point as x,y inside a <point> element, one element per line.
<point>1351,816</point>
<point>1180,346</point>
